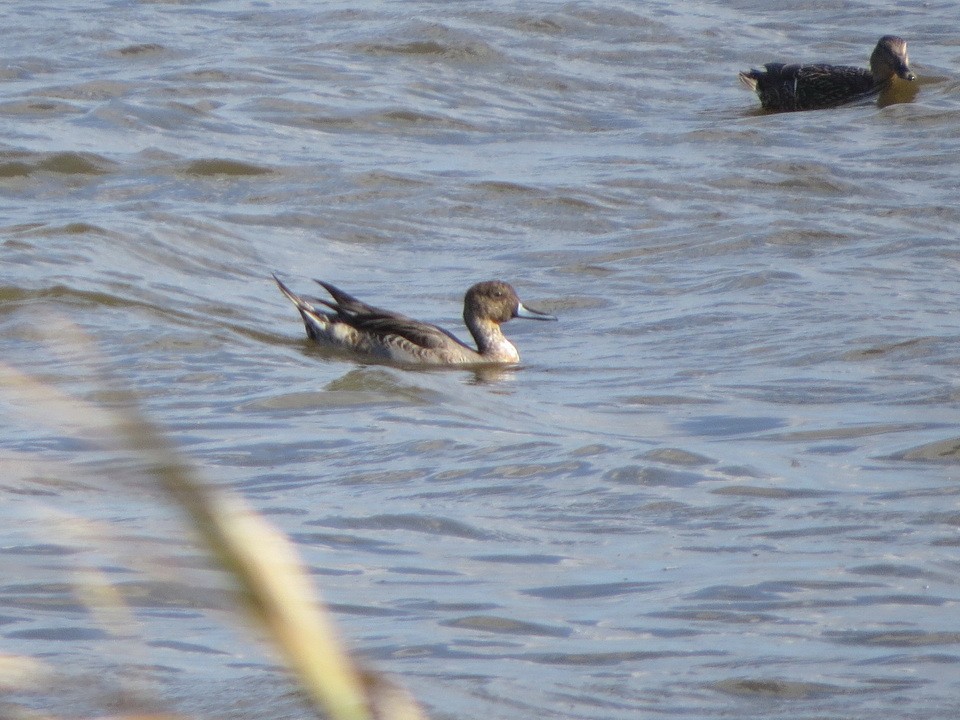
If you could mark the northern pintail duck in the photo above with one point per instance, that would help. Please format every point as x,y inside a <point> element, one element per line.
<point>350,324</point>
<point>810,87</point>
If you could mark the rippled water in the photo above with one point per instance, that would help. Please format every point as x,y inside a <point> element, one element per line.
<point>725,484</point>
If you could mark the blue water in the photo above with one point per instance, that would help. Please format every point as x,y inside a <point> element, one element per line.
<point>724,484</point>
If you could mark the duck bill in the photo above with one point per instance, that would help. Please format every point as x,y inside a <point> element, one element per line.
<point>904,72</point>
<point>528,314</point>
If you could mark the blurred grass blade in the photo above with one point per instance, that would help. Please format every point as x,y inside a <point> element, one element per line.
<point>18,672</point>
<point>273,584</point>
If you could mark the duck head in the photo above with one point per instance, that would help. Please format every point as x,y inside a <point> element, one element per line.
<point>497,301</point>
<point>889,58</point>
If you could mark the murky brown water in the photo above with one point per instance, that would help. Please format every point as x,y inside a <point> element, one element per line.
<point>725,484</point>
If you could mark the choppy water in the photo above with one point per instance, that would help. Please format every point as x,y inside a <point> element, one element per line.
<point>725,484</point>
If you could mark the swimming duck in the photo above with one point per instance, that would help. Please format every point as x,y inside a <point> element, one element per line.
<point>350,324</point>
<point>810,87</point>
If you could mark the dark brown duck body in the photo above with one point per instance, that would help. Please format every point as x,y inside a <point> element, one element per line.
<point>783,87</point>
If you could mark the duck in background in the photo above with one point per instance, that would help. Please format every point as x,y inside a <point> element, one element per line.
<point>784,87</point>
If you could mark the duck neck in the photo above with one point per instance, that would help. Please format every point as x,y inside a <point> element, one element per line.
<point>491,342</point>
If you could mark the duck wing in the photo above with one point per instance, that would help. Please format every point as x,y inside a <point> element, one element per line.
<point>385,323</point>
<point>820,85</point>
<point>419,334</point>
<point>804,87</point>
<point>347,304</point>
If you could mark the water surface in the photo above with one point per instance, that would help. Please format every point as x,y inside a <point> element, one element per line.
<point>724,484</point>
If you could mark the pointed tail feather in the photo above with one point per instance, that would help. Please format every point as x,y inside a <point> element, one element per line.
<point>749,78</point>
<point>298,301</point>
<point>315,321</point>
